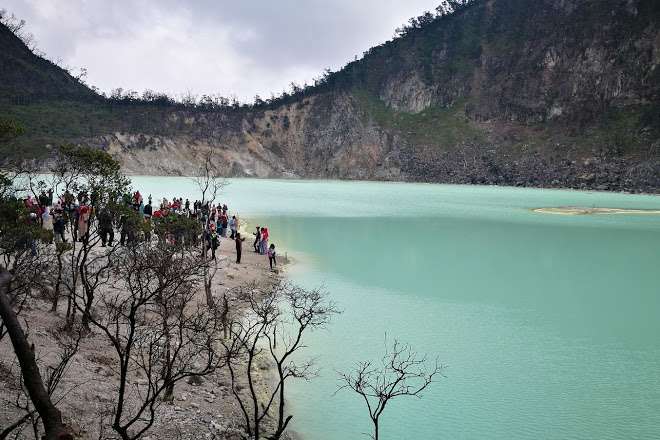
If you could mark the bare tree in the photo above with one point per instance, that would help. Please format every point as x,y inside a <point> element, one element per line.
<point>401,372</point>
<point>13,23</point>
<point>69,344</point>
<point>19,243</point>
<point>95,272</point>
<point>28,264</point>
<point>57,273</point>
<point>85,273</point>
<point>243,349</point>
<point>39,392</point>
<point>96,177</point>
<point>281,312</point>
<point>210,183</point>
<point>157,331</point>
<point>27,272</point>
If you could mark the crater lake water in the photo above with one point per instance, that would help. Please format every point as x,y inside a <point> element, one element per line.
<point>549,326</point>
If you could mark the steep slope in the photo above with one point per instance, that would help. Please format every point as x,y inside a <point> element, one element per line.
<point>25,77</point>
<point>564,93</point>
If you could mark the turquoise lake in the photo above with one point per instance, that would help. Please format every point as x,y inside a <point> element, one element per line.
<point>549,326</point>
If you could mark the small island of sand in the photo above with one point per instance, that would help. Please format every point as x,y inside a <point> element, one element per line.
<point>573,210</point>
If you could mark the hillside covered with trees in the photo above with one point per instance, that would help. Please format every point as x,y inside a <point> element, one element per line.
<point>564,94</point>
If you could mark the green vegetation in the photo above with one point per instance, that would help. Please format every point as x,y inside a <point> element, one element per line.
<point>622,131</point>
<point>442,127</point>
<point>60,122</point>
<point>9,129</point>
<point>52,123</point>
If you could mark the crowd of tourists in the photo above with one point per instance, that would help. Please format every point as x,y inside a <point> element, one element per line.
<point>70,215</point>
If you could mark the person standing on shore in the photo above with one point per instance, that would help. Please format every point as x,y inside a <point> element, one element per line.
<point>83,223</point>
<point>232,227</point>
<point>73,218</point>
<point>59,224</point>
<point>106,229</point>
<point>214,241</point>
<point>47,221</point>
<point>239,247</point>
<point>128,228</point>
<point>271,256</point>
<point>43,200</point>
<point>263,248</point>
<point>225,222</point>
<point>257,239</point>
<point>148,211</point>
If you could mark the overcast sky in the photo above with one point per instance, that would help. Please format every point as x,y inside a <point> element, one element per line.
<point>240,47</point>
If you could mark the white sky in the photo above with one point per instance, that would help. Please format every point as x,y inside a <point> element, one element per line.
<point>239,47</point>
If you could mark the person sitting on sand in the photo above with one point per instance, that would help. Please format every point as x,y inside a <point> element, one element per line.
<point>271,256</point>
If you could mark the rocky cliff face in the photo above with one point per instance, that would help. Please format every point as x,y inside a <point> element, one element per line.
<point>322,136</point>
<point>562,93</point>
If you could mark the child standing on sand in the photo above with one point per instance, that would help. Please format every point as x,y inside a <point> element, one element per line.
<point>271,256</point>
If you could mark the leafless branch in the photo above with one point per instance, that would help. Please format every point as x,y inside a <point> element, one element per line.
<point>400,372</point>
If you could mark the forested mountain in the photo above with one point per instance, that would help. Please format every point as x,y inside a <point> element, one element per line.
<point>512,92</point>
<point>27,77</point>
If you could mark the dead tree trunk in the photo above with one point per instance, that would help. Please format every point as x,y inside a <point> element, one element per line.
<point>208,289</point>
<point>58,283</point>
<point>50,415</point>
<point>224,317</point>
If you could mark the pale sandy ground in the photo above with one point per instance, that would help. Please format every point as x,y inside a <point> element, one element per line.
<point>199,411</point>
<point>573,210</point>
